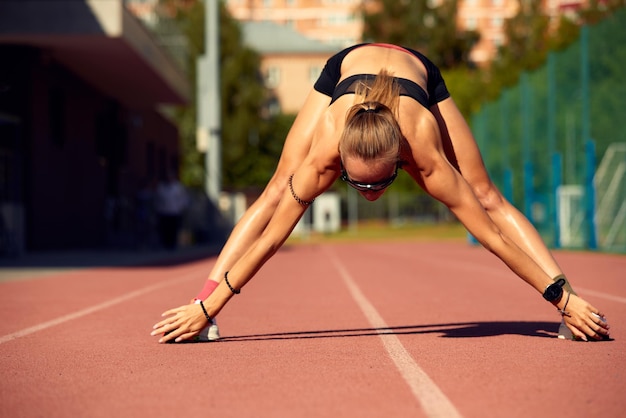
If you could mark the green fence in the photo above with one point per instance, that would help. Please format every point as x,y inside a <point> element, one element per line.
<point>556,143</point>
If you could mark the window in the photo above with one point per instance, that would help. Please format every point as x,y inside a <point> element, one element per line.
<point>338,19</point>
<point>272,77</point>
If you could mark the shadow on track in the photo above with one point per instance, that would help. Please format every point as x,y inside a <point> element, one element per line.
<point>454,330</point>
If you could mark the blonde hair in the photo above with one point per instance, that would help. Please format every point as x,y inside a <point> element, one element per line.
<point>371,131</point>
<point>384,89</point>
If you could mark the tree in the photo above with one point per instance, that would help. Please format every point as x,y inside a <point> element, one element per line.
<point>598,10</point>
<point>249,149</point>
<point>531,37</point>
<point>527,43</point>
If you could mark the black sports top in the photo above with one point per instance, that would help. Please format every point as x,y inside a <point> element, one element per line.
<point>328,81</point>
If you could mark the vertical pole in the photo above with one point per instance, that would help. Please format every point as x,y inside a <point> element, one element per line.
<point>212,104</point>
<point>590,157</point>
<point>551,105</point>
<point>353,209</point>
<point>590,194</point>
<point>584,83</point>
<point>555,179</point>
<point>526,134</point>
<point>504,137</point>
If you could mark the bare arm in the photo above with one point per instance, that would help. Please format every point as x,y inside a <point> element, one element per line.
<point>310,180</point>
<point>435,174</point>
<point>438,178</point>
<point>297,145</point>
<point>307,184</point>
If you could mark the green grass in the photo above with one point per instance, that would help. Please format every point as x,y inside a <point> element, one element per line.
<point>380,231</point>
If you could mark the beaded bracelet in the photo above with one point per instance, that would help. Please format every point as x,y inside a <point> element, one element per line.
<point>295,196</point>
<point>563,311</point>
<point>235,291</point>
<point>208,318</point>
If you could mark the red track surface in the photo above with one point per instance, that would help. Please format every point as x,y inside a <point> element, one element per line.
<point>361,330</point>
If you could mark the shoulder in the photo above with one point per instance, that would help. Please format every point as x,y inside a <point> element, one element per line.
<point>417,122</point>
<point>423,139</point>
<point>324,151</point>
<point>331,74</point>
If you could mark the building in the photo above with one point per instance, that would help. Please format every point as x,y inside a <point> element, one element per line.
<point>337,22</point>
<point>82,131</point>
<point>333,22</point>
<point>487,17</point>
<point>290,62</point>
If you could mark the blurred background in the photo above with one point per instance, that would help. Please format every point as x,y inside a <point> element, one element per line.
<point>111,137</point>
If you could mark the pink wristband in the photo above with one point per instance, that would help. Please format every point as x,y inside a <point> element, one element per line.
<point>209,287</point>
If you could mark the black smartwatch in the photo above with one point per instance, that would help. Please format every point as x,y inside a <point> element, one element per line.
<point>554,291</point>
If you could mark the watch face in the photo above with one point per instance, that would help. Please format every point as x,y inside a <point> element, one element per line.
<point>553,292</point>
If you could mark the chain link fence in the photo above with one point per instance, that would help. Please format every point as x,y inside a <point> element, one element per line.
<point>555,143</point>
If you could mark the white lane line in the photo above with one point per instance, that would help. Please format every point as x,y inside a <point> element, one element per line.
<point>78,314</point>
<point>430,397</point>
<point>600,294</point>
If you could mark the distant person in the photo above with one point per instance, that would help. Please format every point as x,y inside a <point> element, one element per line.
<point>171,200</point>
<point>375,109</point>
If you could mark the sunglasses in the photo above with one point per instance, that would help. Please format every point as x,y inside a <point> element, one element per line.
<point>368,187</point>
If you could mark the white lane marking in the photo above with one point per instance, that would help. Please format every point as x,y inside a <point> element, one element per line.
<point>600,294</point>
<point>78,314</point>
<point>429,396</point>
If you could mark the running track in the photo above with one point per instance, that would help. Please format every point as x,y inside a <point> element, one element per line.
<point>394,329</point>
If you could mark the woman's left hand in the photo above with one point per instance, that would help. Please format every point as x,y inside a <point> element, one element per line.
<point>584,320</point>
<point>181,323</point>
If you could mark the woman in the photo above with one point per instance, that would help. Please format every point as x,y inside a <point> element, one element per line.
<point>377,108</point>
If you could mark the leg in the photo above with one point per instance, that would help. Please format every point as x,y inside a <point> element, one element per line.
<point>251,225</point>
<point>462,151</point>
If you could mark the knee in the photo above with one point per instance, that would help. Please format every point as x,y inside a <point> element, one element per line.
<point>489,196</point>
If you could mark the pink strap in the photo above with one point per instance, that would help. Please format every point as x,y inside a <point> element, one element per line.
<point>209,287</point>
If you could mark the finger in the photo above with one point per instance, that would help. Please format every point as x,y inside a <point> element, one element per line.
<point>164,323</point>
<point>600,326</point>
<point>159,331</point>
<point>597,335</point>
<point>577,333</point>
<point>599,319</point>
<point>185,336</point>
<point>159,324</point>
<point>173,311</point>
<point>166,326</point>
<point>170,335</point>
<point>171,314</point>
<point>594,331</point>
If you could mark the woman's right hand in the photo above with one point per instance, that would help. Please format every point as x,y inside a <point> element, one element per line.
<point>180,323</point>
